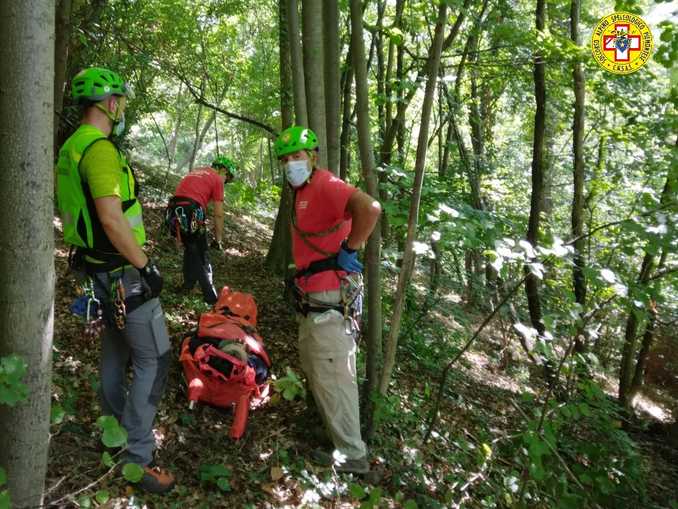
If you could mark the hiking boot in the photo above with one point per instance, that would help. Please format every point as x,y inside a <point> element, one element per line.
<point>340,462</point>
<point>156,480</point>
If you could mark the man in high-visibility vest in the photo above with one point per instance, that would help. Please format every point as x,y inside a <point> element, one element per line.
<point>331,220</point>
<point>102,219</point>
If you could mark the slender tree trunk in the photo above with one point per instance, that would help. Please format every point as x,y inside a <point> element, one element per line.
<point>645,347</point>
<point>627,368</point>
<point>409,255</point>
<point>397,126</point>
<point>297,61</point>
<point>286,90</point>
<point>441,127</point>
<point>372,255</point>
<point>578,277</point>
<point>392,51</point>
<point>477,144</point>
<point>630,338</point>
<point>63,35</point>
<point>313,49</point>
<point>446,150</point>
<point>196,137</point>
<point>201,137</point>
<point>347,109</point>
<point>27,238</point>
<point>378,37</point>
<point>280,251</point>
<point>332,82</point>
<point>536,200</point>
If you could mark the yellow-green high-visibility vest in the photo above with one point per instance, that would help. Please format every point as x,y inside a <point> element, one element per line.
<point>81,225</point>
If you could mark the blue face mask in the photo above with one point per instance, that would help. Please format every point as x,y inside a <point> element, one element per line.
<point>297,172</point>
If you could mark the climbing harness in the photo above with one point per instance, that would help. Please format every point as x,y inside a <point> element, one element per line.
<point>351,288</point>
<point>93,312</point>
<point>184,217</point>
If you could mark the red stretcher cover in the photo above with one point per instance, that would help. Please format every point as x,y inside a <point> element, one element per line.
<point>234,318</point>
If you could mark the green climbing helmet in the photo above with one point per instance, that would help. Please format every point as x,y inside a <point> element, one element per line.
<point>96,84</point>
<point>294,139</point>
<point>224,162</point>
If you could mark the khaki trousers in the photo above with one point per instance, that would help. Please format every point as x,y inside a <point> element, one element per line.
<point>328,358</point>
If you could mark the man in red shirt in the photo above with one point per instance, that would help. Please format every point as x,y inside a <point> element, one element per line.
<point>185,218</point>
<point>331,221</point>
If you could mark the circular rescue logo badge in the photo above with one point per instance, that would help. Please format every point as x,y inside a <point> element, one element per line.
<point>622,43</point>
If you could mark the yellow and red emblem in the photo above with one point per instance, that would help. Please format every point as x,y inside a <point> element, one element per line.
<point>622,43</point>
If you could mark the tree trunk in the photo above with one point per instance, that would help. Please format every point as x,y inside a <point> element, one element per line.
<point>286,90</point>
<point>446,151</point>
<point>627,368</point>
<point>332,82</point>
<point>313,49</point>
<point>630,338</point>
<point>578,277</point>
<point>536,199</point>
<point>194,150</point>
<point>27,238</point>
<point>280,251</point>
<point>477,144</point>
<point>378,38</point>
<point>346,118</point>
<point>432,65</point>
<point>372,255</point>
<point>62,38</point>
<point>392,50</point>
<point>645,347</point>
<point>297,61</point>
<point>201,137</point>
<point>397,126</point>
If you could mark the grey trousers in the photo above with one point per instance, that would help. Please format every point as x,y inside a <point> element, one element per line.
<point>328,358</point>
<point>144,344</point>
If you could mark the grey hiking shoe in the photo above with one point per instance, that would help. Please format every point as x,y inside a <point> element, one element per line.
<point>340,462</point>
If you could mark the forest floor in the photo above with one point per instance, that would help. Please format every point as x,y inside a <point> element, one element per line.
<point>268,466</point>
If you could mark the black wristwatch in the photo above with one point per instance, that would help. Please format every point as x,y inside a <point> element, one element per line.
<point>146,268</point>
<point>344,246</point>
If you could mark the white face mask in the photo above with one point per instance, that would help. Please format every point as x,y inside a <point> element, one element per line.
<point>119,125</point>
<point>297,172</point>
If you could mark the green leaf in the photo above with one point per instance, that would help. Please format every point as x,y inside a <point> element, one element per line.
<point>12,389</point>
<point>102,496</point>
<point>357,491</point>
<point>3,476</point>
<point>132,472</point>
<point>212,472</point>
<point>375,495</point>
<point>224,484</point>
<point>57,414</point>
<point>113,435</point>
<point>84,501</point>
<point>5,502</point>
<point>410,504</point>
<point>107,459</point>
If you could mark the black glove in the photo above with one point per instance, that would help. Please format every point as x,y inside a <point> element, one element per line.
<point>151,276</point>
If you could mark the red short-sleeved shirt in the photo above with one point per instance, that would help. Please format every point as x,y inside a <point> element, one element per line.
<point>319,205</point>
<point>203,185</point>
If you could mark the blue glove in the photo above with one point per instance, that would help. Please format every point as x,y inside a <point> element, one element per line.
<point>79,306</point>
<point>347,259</point>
